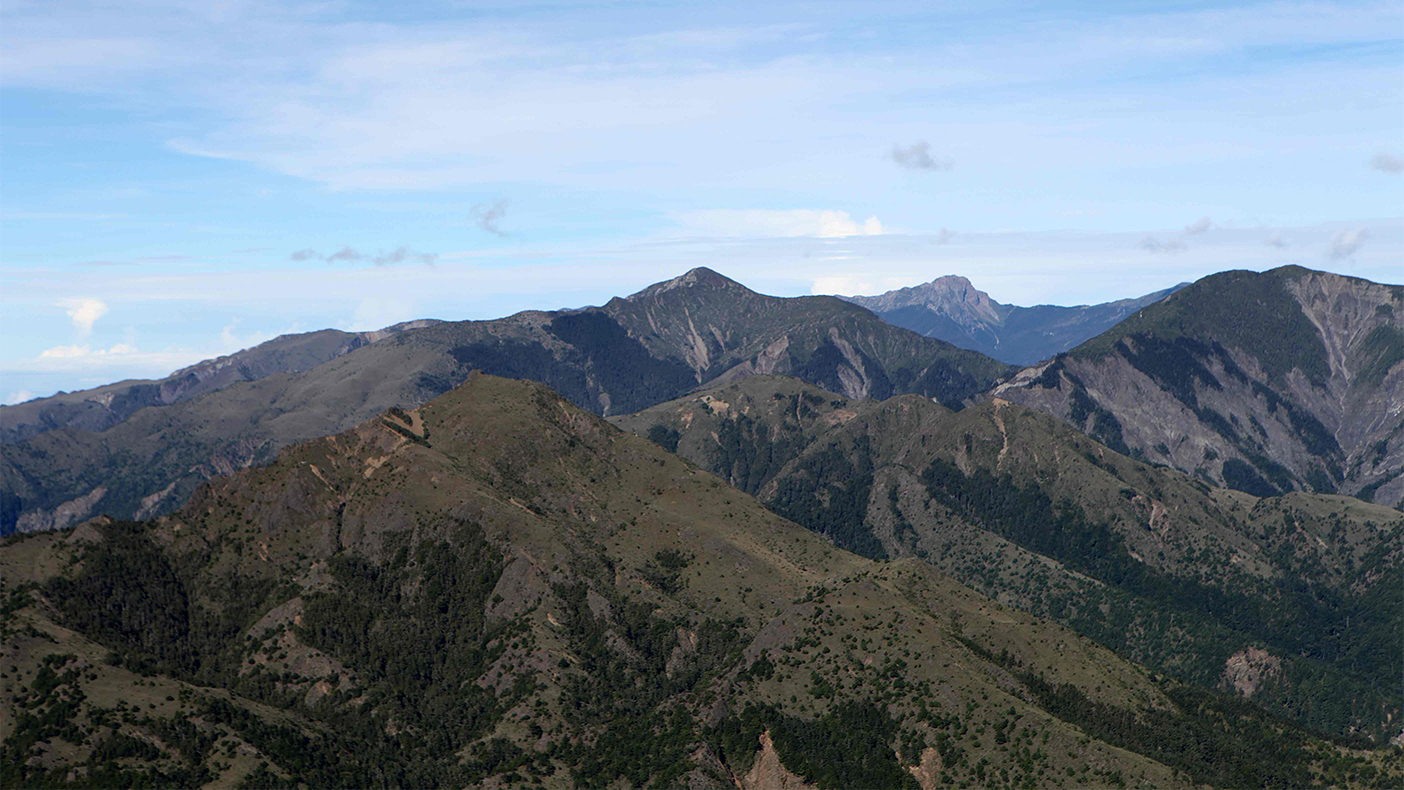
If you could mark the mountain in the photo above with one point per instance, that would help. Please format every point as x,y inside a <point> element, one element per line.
<point>103,407</point>
<point>1267,382</point>
<point>629,354</point>
<point>1294,601</point>
<point>951,309</point>
<point>500,588</point>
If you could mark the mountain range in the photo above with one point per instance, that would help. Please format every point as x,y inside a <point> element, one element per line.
<point>499,588</point>
<point>949,308</point>
<point>722,539</point>
<point>700,328</point>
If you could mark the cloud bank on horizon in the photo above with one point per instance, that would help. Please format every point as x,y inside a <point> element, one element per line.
<point>175,170</point>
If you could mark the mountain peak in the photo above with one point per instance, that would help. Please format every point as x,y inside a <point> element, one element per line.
<point>950,295</point>
<point>700,277</point>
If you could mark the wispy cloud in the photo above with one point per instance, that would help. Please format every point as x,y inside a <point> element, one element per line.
<point>345,254</point>
<point>1387,163</point>
<point>1346,243</point>
<point>487,216</point>
<point>917,156</point>
<point>1156,246</point>
<point>1276,241</point>
<point>943,236</point>
<point>1201,225</point>
<point>823,223</point>
<point>349,255</point>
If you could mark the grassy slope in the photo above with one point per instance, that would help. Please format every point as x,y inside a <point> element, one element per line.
<point>1181,531</point>
<point>567,525</point>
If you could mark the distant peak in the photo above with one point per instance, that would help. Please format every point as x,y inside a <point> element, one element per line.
<point>951,295</point>
<point>950,280</point>
<point>700,277</point>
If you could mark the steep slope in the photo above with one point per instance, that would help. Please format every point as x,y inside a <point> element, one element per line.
<point>625,356</point>
<point>725,331</point>
<point>1286,380</point>
<point>951,309</point>
<point>103,407</point>
<point>499,587</point>
<point>1192,580</point>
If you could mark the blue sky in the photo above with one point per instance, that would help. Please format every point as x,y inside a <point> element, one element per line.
<point>179,180</point>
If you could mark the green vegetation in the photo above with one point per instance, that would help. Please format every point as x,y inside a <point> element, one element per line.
<point>1344,643</point>
<point>1383,349</point>
<point>849,746</point>
<point>1216,739</point>
<point>664,437</point>
<point>629,700</point>
<point>829,494</point>
<point>419,654</point>
<point>1240,309</point>
<point>131,598</point>
<point>49,710</point>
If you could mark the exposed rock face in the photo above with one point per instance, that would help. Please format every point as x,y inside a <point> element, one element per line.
<point>63,516</point>
<point>1246,670</point>
<point>1286,380</point>
<point>952,309</point>
<point>768,773</point>
<point>928,771</point>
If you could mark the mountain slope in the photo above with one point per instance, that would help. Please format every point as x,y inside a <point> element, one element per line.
<point>951,309</point>
<point>103,407</point>
<point>499,587</point>
<point>1285,380</point>
<point>627,355</point>
<point>1194,581</point>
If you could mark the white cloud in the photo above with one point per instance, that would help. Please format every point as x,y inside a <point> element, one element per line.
<point>230,341</point>
<point>823,223</point>
<point>84,313</point>
<point>19,396</point>
<point>65,352</point>
<point>855,284</point>
<point>123,357</point>
<point>1346,243</point>
<point>1276,241</point>
<point>1387,163</point>
<point>377,313</point>
<point>943,236</point>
